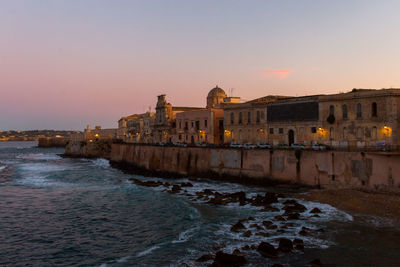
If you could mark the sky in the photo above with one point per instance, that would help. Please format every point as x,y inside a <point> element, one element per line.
<point>68,63</point>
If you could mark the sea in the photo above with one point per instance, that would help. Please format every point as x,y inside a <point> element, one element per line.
<point>57,211</point>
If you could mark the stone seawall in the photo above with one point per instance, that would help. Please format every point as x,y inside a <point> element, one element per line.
<point>379,170</point>
<point>52,142</point>
<point>374,170</point>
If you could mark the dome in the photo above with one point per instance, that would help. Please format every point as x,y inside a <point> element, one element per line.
<point>216,92</point>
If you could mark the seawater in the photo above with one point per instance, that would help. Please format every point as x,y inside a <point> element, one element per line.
<point>57,211</point>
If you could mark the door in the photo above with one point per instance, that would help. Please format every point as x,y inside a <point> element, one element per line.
<point>291,137</point>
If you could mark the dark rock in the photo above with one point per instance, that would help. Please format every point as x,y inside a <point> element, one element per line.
<point>315,210</point>
<point>206,257</point>
<point>254,225</point>
<point>186,184</point>
<point>223,259</point>
<point>304,231</point>
<point>285,245</point>
<point>315,263</point>
<point>236,252</point>
<point>267,250</point>
<point>320,230</point>
<point>218,247</point>
<point>269,208</point>
<point>251,218</point>
<point>293,208</point>
<point>146,183</point>
<point>290,202</point>
<point>299,247</point>
<point>218,200</point>
<point>237,227</point>
<point>176,188</point>
<point>207,192</point>
<point>267,223</point>
<point>247,247</point>
<point>262,234</point>
<point>298,241</point>
<point>247,233</point>
<point>293,216</point>
<point>280,218</point>
<point>271,227</point>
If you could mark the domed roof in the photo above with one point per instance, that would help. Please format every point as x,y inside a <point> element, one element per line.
<point>216,92</point>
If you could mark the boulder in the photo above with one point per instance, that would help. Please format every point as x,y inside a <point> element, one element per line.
<point>279,218</point>
<point>206,257</point>
<point>186,184</point>
<point>267,250</point>
<point>267,223</point>
<point>293,208</point>
<point>236,252</point>
<point>224,260</point>
<point>247,233</point>
<point>315,210</point>
<point>237,227</point>
<point>285,245</point>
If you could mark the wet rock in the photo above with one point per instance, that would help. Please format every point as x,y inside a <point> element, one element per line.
<point>279,218</point>
<point>315,263</point>
<point>207,192</point>
<point>304,231</point>
<point>320,230</point>
<point>298,241</point>
<point>254,225</point>
<point>294,208</point>
<point>315,216</point>
<point>299,247</point>
<point>267,250</point>
<point>247,233</point>
<point>271,227</point>
<point>269,208</point>
<point>206,257</point>
<point>237,227</point>
<point>236,252</point>
<point>263,234</point>
<point>218,247</point>
<point>224,260</point>
<point>218,200</point>
<point>146,183</point>
<point>186,184</point>
<point>290,202</point>
<point>293,216</point>
<point>250,218</point>
<point>247,247</point>
<point>285,245</point>
<point>267,223</point>
<point>175,188</point>
<point>315,210</point>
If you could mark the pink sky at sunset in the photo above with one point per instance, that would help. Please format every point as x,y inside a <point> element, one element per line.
<point>66,64</point>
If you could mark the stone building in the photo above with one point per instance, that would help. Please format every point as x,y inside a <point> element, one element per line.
<point>362,118</point>
<point>137,128</point>
<point>246,122</point>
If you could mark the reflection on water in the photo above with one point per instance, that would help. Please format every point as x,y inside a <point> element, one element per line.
<point>57,211</point>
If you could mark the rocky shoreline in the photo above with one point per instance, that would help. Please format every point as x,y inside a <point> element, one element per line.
<point>292,210</point>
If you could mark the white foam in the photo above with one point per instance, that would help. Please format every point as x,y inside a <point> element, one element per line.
<point>186,235</point>
<point>123,259</point>
<point>41,167</point>
<point>147,251</point>
<point>101,163</point>
<point>2,167</point>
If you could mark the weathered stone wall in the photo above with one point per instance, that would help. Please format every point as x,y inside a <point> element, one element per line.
<point>52,142</point>
<point>98,149</point>
<point>325,168</point>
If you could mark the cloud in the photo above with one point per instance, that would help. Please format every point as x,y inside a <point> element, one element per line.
<point>279,74</point>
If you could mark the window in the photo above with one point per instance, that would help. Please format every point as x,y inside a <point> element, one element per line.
<point>331,110</point>
<point>205,123</point>
<point>344,111</point>
<point>374,110</point>
<point>232,118</point>
<point>262,114</point>
<point>180,137</point>
<point>186,125</point>
<point>258,116</point>
<point>180,125</point>
<point>192,124</point>
<point>280,130</point>
<point>359,133</point>
<point>197,125</point>
<point>240,117</point>
<point>248,117</point>
<point>313,129</point>
<point>271,130</point>
<point>359,111</point>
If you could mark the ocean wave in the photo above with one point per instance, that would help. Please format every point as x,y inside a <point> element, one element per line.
<point>41,167</point>
<point>104,163</point>
<point>147,251</point>
<point>2,167</point>
<point>186,235</point>
<point>38,156</point>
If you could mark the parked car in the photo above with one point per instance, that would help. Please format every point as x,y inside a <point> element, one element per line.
<point>320,147</point>
<point>162,143</point>
<point>236,145</point>
<point>224,145</point>
<point>264,145</point>
<point>282,146</point>
<point>297,146</point>
<point>249,146</point>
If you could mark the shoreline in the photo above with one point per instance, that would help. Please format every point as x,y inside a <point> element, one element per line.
<point>359,202</point>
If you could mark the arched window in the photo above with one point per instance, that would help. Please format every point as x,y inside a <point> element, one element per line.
<point>331,110</point>
<point>374,110</point>
<point>344,111</point>
<point>232,118</point>
<point>359,110</point>
<point>240,117</point>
